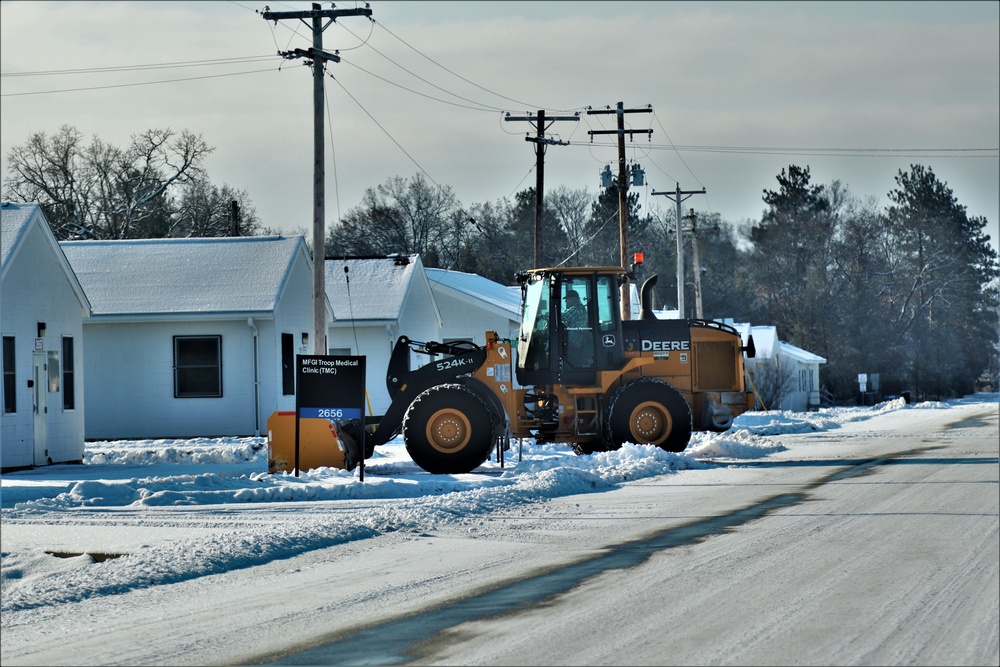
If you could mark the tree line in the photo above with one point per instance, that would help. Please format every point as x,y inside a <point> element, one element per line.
<point>910,291</point>
<point>154,187</point>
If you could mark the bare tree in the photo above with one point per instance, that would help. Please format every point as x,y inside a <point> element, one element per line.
<point>405,216</point>
<point>54,172</point>
<point>204,210</point>
<point>571,211</point>
<point>772,380</point>
<point>102,191</point>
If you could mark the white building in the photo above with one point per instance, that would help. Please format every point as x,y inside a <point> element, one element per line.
<point>781,370</point>
<point>376,300</point>
<point>42,308</point>
<point>471,305</point>
<point>192,337</point>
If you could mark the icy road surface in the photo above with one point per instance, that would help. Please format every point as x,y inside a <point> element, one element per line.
<point>850,536</point>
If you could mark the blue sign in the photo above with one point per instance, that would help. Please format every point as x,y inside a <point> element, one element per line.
<point>333,414</point>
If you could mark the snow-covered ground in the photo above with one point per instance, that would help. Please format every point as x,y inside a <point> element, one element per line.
<point>138,515</point>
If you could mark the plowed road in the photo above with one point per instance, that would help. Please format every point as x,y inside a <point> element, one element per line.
<point>856,546</point>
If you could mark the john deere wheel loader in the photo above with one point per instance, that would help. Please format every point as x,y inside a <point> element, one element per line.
<point>591,379</point>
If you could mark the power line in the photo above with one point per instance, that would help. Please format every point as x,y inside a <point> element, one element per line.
<point>456,75</point>
<point>420,78</point>
<point>415,92</point>
<point>129,85</point>
<point>584,244</point>
<point>823,152</point>
<point>835,152</point>
<point>485,233</point>
<point>480,105</point>
<point>333,155</point>
<point>526,174</point>
<point>139,68</point>
<point>386,132</point>
<point>679,156</point>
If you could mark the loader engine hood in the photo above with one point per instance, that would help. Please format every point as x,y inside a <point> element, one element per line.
<point>656,337</point>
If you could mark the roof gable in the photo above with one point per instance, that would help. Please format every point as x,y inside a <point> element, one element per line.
<point>234,275</point>
<point>17,221</point>
<point>477,289</point>
<point>797,353</point>
<point>370,288</point>
<point>765,337</point>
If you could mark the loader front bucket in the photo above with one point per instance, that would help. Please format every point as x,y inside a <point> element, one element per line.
<point>321,444</point>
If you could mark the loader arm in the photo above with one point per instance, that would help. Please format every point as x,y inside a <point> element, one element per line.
<point>405,385</point>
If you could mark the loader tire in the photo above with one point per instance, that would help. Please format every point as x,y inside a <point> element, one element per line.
<point>648,411</point>
<point>448,429</point>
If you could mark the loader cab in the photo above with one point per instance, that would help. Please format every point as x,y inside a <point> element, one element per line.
<point>570,325</point>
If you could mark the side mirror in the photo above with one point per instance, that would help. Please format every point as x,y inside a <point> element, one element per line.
<point>750,348</point>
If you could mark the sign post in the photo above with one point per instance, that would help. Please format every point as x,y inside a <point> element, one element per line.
<point>329,387</point>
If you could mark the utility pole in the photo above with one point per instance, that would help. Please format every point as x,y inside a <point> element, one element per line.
<point>620,111</point>
<point>678,196</point>
<point>319,57</point>
<point>698,312</point>
<point>234,218</point>
<point>540,141</point>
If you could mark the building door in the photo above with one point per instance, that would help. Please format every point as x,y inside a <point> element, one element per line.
<point>40,383</point>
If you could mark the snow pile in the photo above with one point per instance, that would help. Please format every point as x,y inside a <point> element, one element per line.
<point>221,471</point>
<point>197,450</point>
<point>744,443</point>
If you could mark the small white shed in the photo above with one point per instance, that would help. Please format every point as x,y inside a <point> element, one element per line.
<point>783,374</point>
<point>375,300</point>
<point>42,308</point>
<point>192,337</point>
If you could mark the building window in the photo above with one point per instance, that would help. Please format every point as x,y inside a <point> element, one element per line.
<point>287,364</point>
<point>52,366</point>
<point>197,366</point>
<point>9,376</point>
<point>69,387</point>
<point>805,380</point>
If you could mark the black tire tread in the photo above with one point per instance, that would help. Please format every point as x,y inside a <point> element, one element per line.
<point>461,398</point>
<point>636,391</point>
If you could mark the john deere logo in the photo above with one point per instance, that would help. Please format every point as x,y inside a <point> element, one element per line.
<point>665,345</point>
<point>609,340</point>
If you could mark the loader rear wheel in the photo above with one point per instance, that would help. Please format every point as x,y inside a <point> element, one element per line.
<point>648,411</point>
<point>448,429</point>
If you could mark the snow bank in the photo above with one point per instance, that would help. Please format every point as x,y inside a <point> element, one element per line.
<point>222,471</point>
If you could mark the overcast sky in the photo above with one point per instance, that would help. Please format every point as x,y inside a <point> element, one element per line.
<point>855,90</point>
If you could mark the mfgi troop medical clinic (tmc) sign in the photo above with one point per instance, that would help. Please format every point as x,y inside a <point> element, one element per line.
<point>328,387</point>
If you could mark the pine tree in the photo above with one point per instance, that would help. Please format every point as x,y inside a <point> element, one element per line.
<point>943,297</point>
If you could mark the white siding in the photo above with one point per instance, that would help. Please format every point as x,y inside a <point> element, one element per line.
<point>464,319</point>
<point>293,315</point>
<point>36,289</point>
<point>374,342</point>
<point>226,287</point>
<point>133,367</point>
<point>419,317</point>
